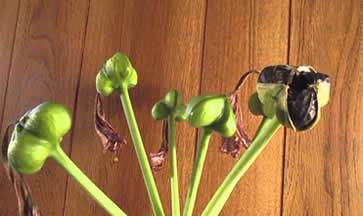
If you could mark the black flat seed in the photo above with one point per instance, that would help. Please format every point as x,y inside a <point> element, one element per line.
<point>303,107</point>
<point>283,74</point>
<point>319,77</point>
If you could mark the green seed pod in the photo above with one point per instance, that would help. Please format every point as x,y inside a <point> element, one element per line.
<point>180,112</point>
<point>169,109</point>
<point>293,94</point>
<point>212,111</point>
<point>103,84</point>
<point>202,111</point>
<point>172,99</point>
<point>160,111</point>
<point>37,134</point>
<point>170,104</point>
<point>254,104</point>
<point>226,124</point>
<point>116,72</point>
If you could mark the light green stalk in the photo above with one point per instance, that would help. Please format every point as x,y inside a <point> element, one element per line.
<point>175,204</point>
<point>197,171</point>
<point>140,152</point>
<point>267,129</point>
<point>64,161</point>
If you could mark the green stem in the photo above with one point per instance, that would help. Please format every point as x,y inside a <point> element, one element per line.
<point>197,171</point>
<point>141,154</point>
<point>174,168</point>
<point>64,161</point>
<point>267,129</point>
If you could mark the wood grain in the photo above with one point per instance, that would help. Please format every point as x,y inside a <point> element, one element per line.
<point>52,50</point>
<point>8,20</point>
<point>45,66</point>
<point>164,43</point>
<point>239,37</point>
<point>323,174</point>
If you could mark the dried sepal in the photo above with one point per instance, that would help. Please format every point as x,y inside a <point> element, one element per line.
<point>157,160</point>
<point>110,139</point>
<point>26,205</point>
<point>233,145</point>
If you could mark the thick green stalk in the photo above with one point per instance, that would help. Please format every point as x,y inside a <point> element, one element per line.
<point>267,129</point>
<point>174,168</point>
<point>197,171</point>
<point>141,154</point>
<point>64,161</point>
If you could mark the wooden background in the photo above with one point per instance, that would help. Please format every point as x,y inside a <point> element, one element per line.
<point>52,50</point>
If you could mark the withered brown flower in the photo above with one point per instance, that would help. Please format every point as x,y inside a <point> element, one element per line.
<point>26,205</point>
<point>157,160</point>
<point>110,139</point>
<point>233,145</point>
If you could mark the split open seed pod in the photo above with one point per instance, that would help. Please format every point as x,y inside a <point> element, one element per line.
<point>294,94</point>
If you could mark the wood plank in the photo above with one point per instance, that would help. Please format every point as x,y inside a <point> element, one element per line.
<point>324,166</point>
<point>164,43</point>
<point>8,18</point>
<point>45,66</point>
<point>239,37</point>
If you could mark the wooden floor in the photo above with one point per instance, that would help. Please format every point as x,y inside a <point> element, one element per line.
<point>52,50</point>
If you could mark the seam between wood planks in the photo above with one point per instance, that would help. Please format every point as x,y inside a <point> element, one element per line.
<point>9,69</point>
<point>201,71</point>
<point>75,103</point>
<point>285,130</point>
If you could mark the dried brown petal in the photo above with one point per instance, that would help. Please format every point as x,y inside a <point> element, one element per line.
<point>157,160</point>
<point>234,144</point>
<point>110,139</point>
<point>26,205</point>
